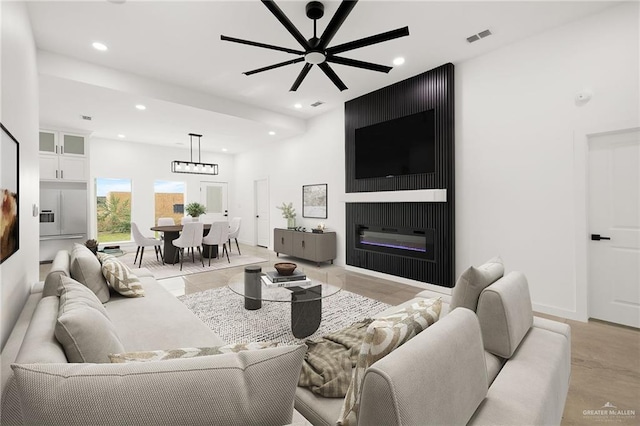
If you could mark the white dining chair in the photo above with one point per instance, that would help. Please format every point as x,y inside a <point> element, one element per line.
<point>143,242</point>
<point>186,219</point>
<point>166,221</point>
<point>191,237</point>
<point>218,235</point>
<point>234,230</point>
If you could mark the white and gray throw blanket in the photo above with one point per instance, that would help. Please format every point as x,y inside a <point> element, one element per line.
<point>327,366</point>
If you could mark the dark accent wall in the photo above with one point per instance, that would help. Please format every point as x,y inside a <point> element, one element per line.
<point>430,90</point>
<point>409,215</point>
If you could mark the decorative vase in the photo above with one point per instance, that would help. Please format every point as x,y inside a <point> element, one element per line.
<point>291,222</point>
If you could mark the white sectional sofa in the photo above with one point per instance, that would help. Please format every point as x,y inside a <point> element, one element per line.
<point>254,387</point>
<point>498,366</point>
<point>488,361</point>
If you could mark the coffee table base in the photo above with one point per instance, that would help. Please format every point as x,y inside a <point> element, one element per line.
<point>305,314</point>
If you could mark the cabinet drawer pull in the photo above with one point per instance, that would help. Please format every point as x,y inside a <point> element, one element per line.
<point>282,240</point>
<point>56,174</point>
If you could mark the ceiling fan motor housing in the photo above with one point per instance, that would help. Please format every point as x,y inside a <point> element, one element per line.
<point>315,10</point>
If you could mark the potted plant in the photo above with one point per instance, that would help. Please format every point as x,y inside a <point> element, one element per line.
<point>289,213</point>
<point>92,245</point>
<point>195,209</point>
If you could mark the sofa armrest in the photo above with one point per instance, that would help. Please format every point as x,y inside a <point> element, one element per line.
<point>438,377</point>
<point>60,266</point>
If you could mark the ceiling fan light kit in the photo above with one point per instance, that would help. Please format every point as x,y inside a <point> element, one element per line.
<point>316,49</point>
<point>191,167</point>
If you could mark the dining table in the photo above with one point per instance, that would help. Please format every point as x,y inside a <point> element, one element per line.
<point>171,232</point>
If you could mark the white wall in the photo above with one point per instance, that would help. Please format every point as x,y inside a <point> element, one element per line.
<point>144,164</point>
<point>518,128</point>
<point>19,114</point>
<point>315,157</point>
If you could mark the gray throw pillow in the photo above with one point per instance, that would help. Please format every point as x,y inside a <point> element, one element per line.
<point>245,388</point>
<point>472,281</point>
<point>83,327</point>
<point>86,269</point>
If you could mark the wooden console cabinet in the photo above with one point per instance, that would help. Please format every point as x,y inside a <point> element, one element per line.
<point>305,245</point>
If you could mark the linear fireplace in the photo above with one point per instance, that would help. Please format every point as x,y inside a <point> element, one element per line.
<point>417,243</point>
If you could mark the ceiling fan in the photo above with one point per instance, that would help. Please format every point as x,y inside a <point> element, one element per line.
<point>316,49</point>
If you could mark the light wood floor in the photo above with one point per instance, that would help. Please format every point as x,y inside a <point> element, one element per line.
<point>605,357</point>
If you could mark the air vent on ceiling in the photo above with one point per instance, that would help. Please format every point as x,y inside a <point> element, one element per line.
<point>476,37</point>
<point>86,117</point>
<point>317,103</point>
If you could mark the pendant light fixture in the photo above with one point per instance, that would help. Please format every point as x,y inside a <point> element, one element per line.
<point>192,167</point>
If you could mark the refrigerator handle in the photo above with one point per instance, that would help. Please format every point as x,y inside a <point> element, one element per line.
<point>61,212</point>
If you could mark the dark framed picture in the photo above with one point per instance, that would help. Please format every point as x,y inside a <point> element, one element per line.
<point>9,221</point>
<point>314,201</point>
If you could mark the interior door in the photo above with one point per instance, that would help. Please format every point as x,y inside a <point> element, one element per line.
<point>262,212</point>
<point>213,195</point>
<point>614,223</point>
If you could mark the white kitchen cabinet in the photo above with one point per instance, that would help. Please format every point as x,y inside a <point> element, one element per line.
<point>63,156</point>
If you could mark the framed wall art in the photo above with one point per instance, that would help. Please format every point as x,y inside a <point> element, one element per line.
<point>9,221</point>
<point>314,201</point>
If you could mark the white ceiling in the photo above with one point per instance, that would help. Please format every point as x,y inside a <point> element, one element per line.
<point>177,45</point>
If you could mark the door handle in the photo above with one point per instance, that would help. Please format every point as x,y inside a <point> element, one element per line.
<point>597,237</point>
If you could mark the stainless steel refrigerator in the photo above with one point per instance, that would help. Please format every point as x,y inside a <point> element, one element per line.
<point>63,213</point>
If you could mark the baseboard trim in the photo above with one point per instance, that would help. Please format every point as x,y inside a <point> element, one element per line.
<point>558,312</point>
<point>420,284</point>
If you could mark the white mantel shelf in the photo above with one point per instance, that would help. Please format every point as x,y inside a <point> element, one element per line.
<point>417,196</point>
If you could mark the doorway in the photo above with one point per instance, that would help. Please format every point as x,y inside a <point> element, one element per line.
<point>261,191</point>
<point>614,227</point>
<point>213,195</point>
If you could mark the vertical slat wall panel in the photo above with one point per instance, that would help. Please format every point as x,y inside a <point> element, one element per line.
<point>408,215</point>
<point>430,90</point>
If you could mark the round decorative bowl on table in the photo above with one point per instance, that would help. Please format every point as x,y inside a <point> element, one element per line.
<point>285,268</point>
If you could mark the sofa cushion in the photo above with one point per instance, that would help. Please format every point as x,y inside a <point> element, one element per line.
<point>120,277</point>
<point>505,314</point>
<point>60,266</point>
<point>472,281</point>
<point>86,269</point>
<point>245,388</point>
<point>437,378</point>
<point>83,327</point>
<point>180,328</point>
<point>383,336</point>
<point>181,353</point>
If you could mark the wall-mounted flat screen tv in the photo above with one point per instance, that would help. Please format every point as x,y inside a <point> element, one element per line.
<point>403,146</point>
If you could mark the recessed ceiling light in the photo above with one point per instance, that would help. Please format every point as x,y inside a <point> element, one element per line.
<point>141,107</point>
<point>224,150</point>
<point>297,106</point>
<point>121,136</point>
<point>100,46</point>
<point>398,61</point>
<point>272,133</point>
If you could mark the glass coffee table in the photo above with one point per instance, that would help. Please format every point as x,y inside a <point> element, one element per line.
<point>306,302</point>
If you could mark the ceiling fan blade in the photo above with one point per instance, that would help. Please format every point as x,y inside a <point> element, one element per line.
<point>336,22</point>
<point>266,46</point>
<point>301,76</point>
<point>332,76</point>
<point>279,14</point>
<point>368,41</point>
<point>270,67</point>
<point>358,64</point>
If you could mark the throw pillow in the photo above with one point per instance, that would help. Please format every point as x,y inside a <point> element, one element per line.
<point>85,268</point>
<point>83,327</point>
<point>120,277</point>
<point>382,337</point>
<point>472,281</point>
<point>162,355</point>
<point>247,388</point>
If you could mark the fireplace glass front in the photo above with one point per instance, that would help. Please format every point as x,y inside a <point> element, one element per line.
<point>418,243</point>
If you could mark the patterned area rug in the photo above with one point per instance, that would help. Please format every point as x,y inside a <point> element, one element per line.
<point>161,271</point>
<point>223,311</point>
